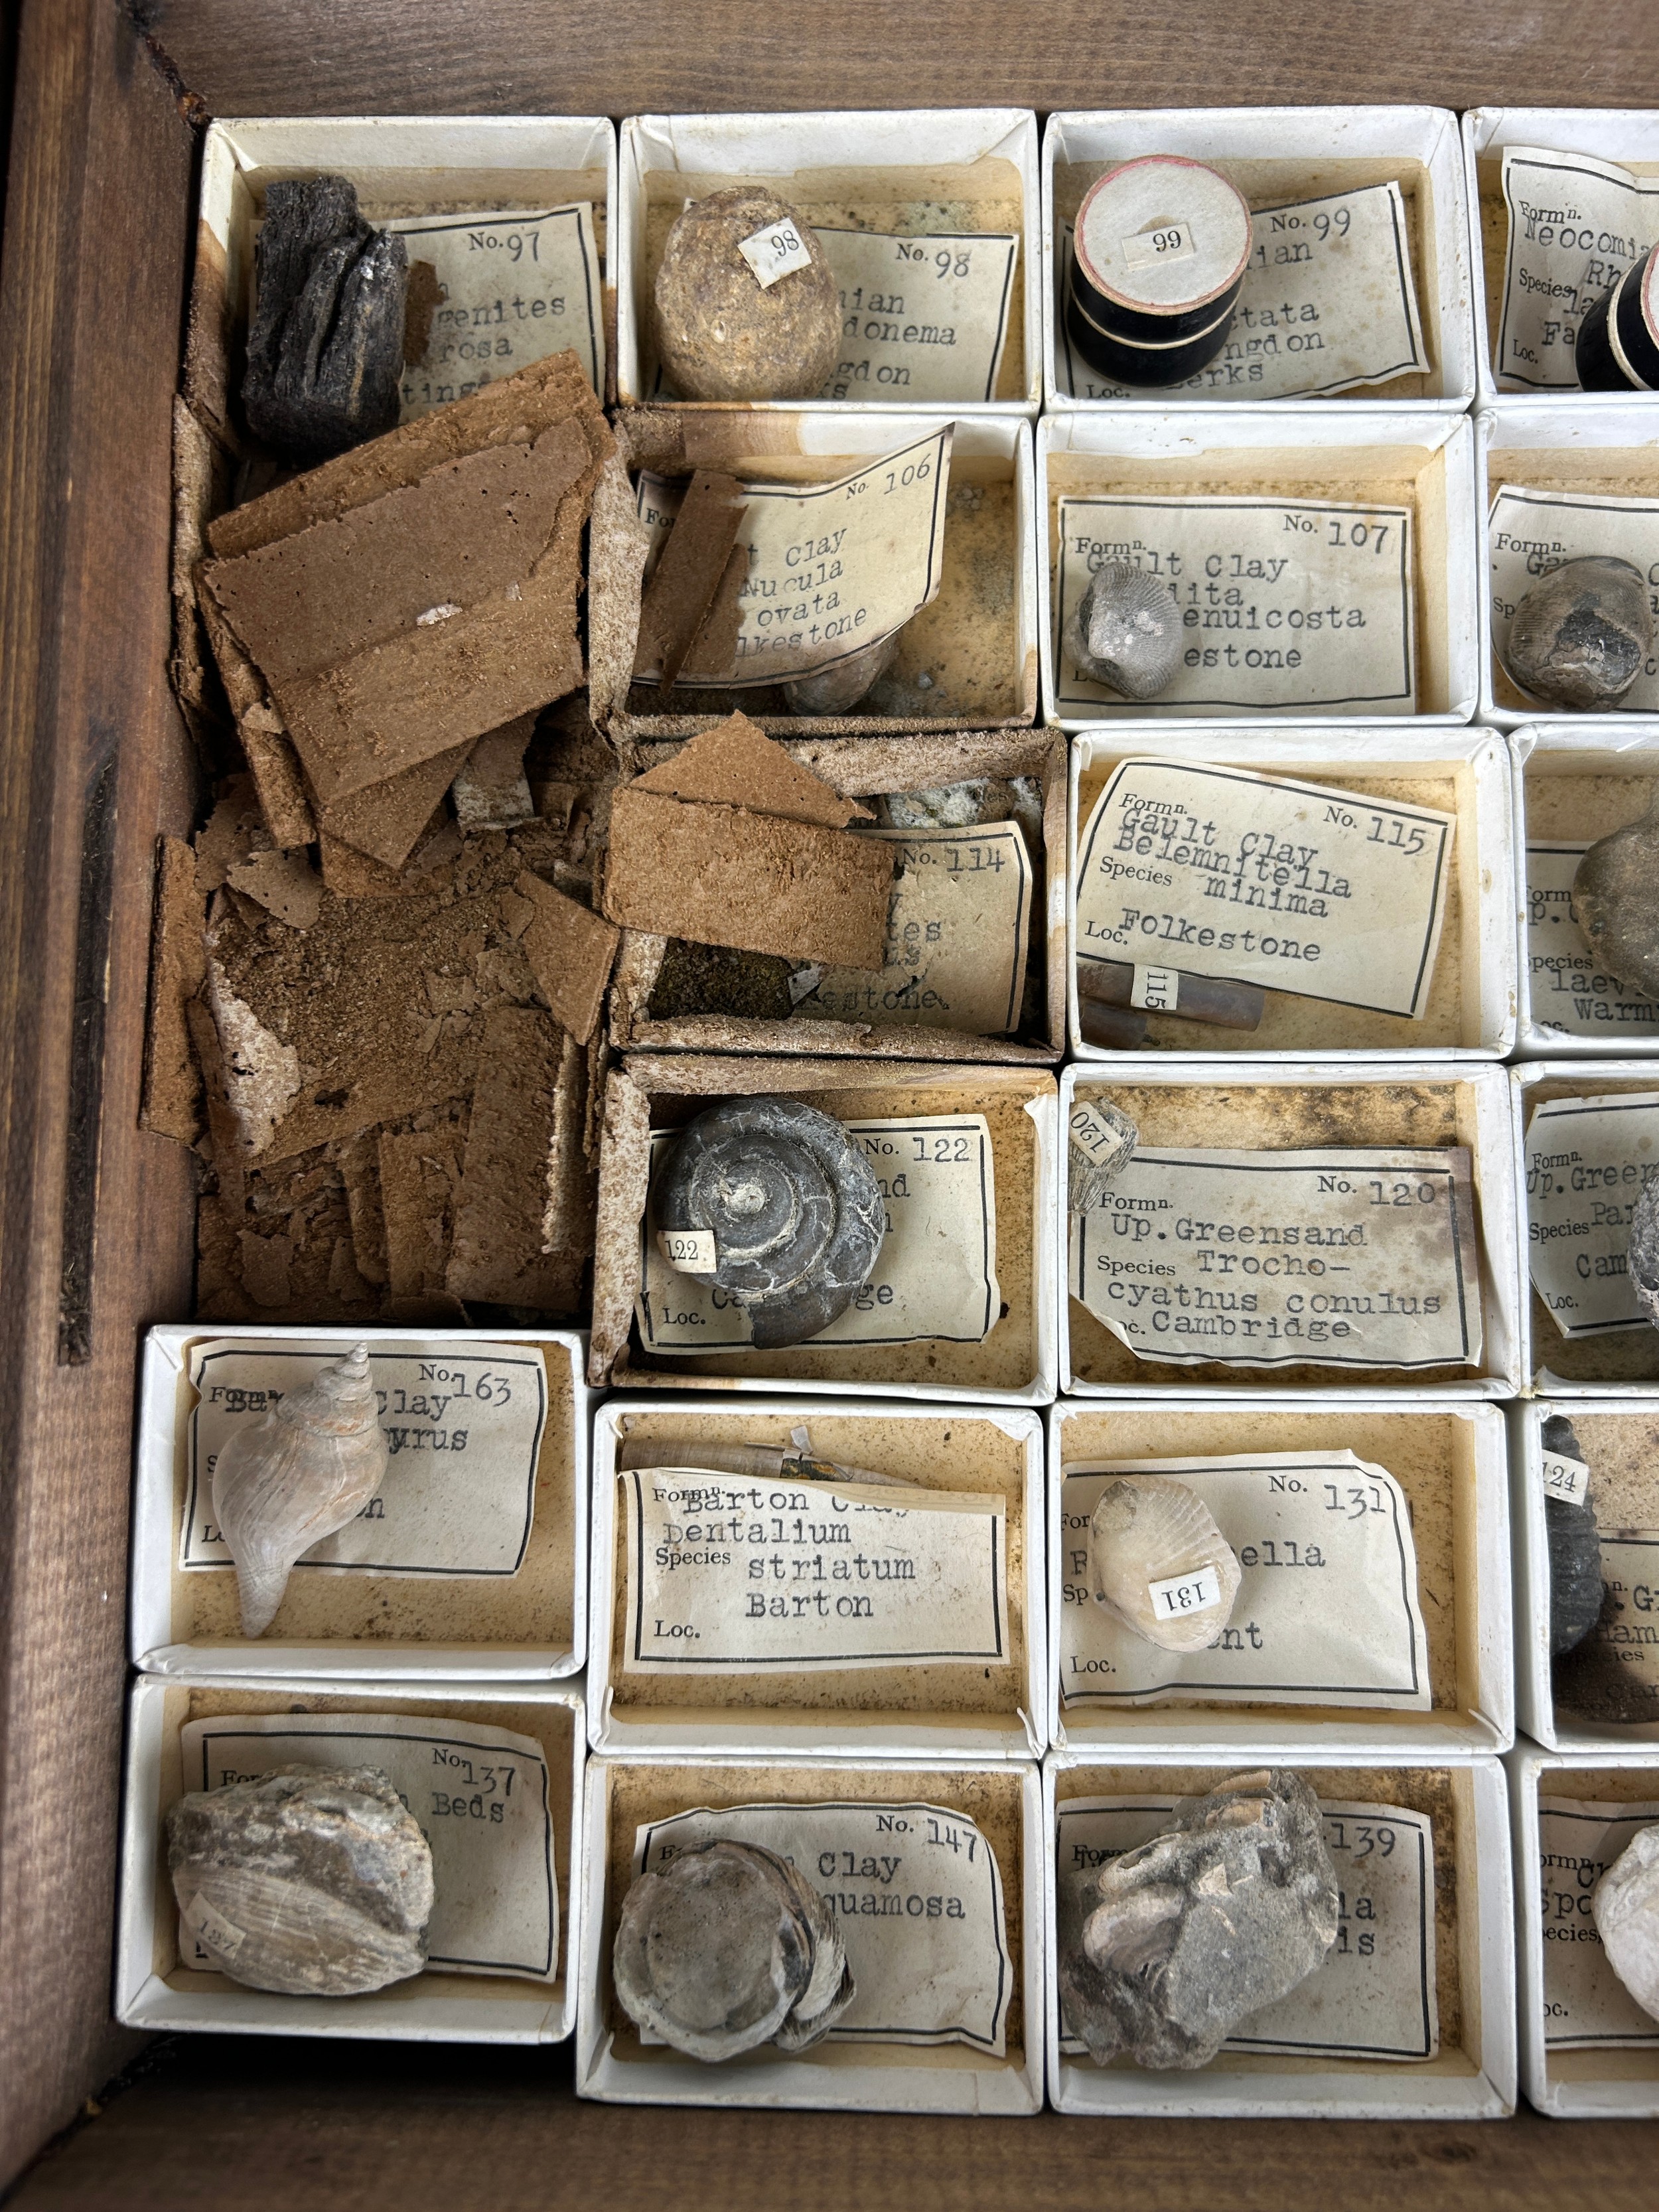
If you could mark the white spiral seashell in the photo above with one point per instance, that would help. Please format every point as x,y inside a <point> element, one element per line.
<point>296,1475</point>
<point>1146,1529</point>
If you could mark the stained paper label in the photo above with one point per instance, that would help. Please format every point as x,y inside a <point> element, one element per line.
<point>777,250</point>
<point>958,924</point>
<point>1576,225</point>
<point>692,1251</point>
<point>832,567</point>
<point>463,1424</point>
<point>1629,1627</point>
<point>1283,605</point>
<point>923,319</point>
<point>516,287</point>
<point>1531,533</point>
<point>1295,886</point>
<point>1373,1994</point>
<point>1572,995</point>
<point>726,1574</point>
<point>1586,2006</point>
<point>1327,301</point>
<point>935,1274</point>
<point>1348,1259</point>
<point>479,1796</point>
<point>1327,1611</point>
<point>917,1896</point>
<point>1588,1162</point>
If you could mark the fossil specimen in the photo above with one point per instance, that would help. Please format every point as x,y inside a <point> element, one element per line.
<point>1100,1144</point>
<point>725,1947</point>
<point>1226,1911</point>
<point>1626,1909</point>
<point>1160,1562</point>
<point>793,1207</point>
<point>1575,1547</point>
<point>297,1474</point>
<point>1578,638</point>
<point>1126,631</point>
<point>837,690</point>
<point>311,1880</point>
<point>1615,903</point>
<point>1644,1249</point>
<point>724,330</point>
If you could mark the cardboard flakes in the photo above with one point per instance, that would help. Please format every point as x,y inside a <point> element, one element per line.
<point>690,575</point>
<point>284,884</point>
<point>490,790</point>
<point>172,1083</point>
<point>497,1245</point>
<point>737,765</point>
<point>420,1183</point>
<point>570,951</point>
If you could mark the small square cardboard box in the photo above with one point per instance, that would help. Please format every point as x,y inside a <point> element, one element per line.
<point>861,768</point>
<point>1275,156</point>
<point>1014,1365</point>
<point>1629,138</point>
<point>155,1989</point>
<point>1004,1801</point>
<point>1449,1459</point>
<point>1598,444</point>
<point>1414,458</point>
<point>920,172</point>
<point>1242,1105</point>
<point>967,660</point>
<point>1620,1439</point>
<point>1625,1363</point>
<point>1446,765</point>
<point>1472,2077</point>
<point>895,1710</point>
<point>1562,2079</point>
<point>528,1625</point>
<point>1573,786</point>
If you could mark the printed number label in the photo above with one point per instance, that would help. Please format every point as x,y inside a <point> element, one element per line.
<point>1183,1594</point>
<point>1150,249</point>
<point>1154,989</point>
<point>774,252</point>
<point>1564,1478</point>
<point>690,1250</point>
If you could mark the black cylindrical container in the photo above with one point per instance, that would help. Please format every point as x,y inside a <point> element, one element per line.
<point>1157,262</point>
<point>1618,340</point>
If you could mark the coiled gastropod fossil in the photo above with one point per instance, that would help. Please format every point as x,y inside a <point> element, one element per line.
<point>297,1474</point>
<point>793,1207</point>
<point>1161,1563</point>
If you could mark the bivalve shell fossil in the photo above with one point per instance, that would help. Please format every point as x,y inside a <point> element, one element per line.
<point>1161,1563</point>
<point>1126,631</point>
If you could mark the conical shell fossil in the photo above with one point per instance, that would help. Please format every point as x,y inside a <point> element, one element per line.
<point>297,1474</point>
<point>726,1948</point>
<point>313,1881</point>
<point>1148,1533</point>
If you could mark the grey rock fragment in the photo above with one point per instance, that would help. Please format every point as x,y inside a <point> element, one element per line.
<point>310,1881</point>
<point>1575,1546</point>
<point>1615,902</point>
<point>1226,1911</point>
<point>1644,1249</point>
<point>1126,631</point>
<point>1580,636</point>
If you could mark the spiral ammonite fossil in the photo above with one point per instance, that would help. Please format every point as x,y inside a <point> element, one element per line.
<point>797,1214</point>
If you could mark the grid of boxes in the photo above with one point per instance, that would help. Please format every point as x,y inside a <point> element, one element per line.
<point>542,1653</point>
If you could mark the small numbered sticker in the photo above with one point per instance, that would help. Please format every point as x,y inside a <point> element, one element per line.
<point>1184,1594</point>
<point>775,251</point>
<point>1150,249</point>
<point>1154,989</point>
<point>692,1251</point>
<point>211,1928</point>
<point>1564,1477</point>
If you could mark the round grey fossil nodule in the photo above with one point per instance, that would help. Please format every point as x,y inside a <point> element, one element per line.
<point>1580,636</point>
<point>1614,900</point>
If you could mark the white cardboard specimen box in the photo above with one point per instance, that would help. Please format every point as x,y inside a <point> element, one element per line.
<point>1448,1692</point>
<point>1418,2023</point>
<point>929,216</point>
<point>1557,481</point>
<point>506,1930</point>
<point>1295,331</point>
<point>1588,2050</point>
<point>787,1577</point>
<point>1576,244</point>
<point>1468,999</point>
<point>948,1950</point>
<point>1322,576</point>
<point>481,1574</point>
<point>1206,1110</point>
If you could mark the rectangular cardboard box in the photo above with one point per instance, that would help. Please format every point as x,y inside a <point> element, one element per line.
<point>897,1711</point>
<point>530,1626</point>
<point>908,170</point>
<point>1274,155</point>
<point>1449,1460</point>
<point>1411,457</point>
<point>611,2064</point>
<point>1472,2077</point>
<point>1279,1106</point>
<point>1013,1365</point>
<point>1569,2084</point>
<point>153,1991</point>
<point>858,768</point>
<point>1445,765</point>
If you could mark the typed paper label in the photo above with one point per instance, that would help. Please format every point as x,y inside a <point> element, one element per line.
<point>1588,1162</point>
<point>514,288</point>
<point>1575,225</point>
<point>1531,533</point>
<point>924,321</point>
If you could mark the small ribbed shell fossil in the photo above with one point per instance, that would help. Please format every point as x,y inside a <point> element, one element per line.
<point>297,1474</point>
<point>1126,631</point>
<point>310,1881</point>
<point>797,1214</point>
<point>1147,1529</point>
<point>837,691</point>
<point>726,1948</point>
